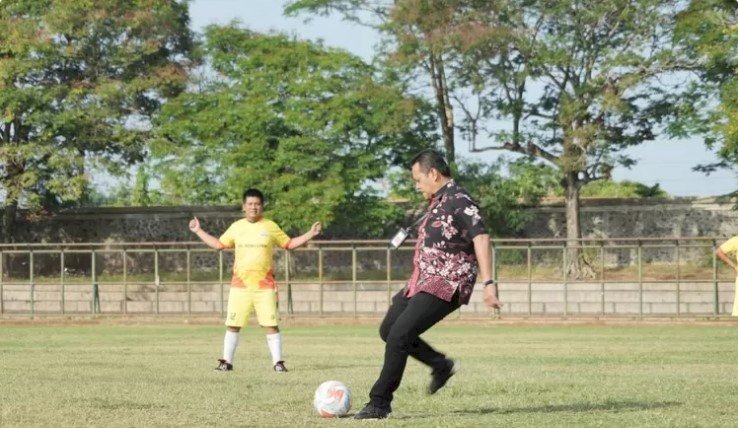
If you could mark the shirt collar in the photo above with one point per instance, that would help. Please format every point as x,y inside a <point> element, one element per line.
<point>443,190</point>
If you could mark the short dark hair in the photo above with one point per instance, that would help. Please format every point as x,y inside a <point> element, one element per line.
<point>428,159</point>
<point>253,193</point>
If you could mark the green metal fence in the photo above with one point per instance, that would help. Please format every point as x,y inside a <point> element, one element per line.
<point>673,277</point>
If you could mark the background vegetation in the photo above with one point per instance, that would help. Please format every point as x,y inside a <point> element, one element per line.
<point>183,118</point>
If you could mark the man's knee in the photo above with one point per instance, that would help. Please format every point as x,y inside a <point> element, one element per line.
<point>400,340</point>
<point>384,331</point>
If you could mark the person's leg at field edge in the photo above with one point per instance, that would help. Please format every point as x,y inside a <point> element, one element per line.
<point>267,313</point>
<point>274,342</point>
<point>405,321</point>
<point>240,305</point>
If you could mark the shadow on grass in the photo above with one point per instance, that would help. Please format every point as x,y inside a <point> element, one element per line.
<point>109,404</point>
<point>615,406</point>
<point>611,406</point>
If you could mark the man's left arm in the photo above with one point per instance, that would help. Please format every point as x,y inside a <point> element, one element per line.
<point>304,238</point>
<point>484,258</point>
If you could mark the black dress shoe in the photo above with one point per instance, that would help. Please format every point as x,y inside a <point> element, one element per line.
<point>370,411</point>
<point>440,377</point>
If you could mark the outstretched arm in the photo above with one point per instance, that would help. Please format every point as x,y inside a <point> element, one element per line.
<point>724,257</point>
<point>210,240</point>
<point>304,238</point>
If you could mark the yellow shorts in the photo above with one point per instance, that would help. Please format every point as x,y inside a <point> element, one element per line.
<point>242,301</point>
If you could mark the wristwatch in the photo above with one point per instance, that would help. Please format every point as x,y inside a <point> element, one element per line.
<point>488,282</point>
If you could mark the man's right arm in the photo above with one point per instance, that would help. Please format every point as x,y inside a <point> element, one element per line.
<point>209,240</point>
<point>724,257</point>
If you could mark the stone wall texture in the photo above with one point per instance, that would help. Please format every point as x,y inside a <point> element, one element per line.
<point>639,218</point>
<point>600,218</point>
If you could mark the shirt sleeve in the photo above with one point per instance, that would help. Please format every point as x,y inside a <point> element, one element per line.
<point>730,246</point>
<point>469,217</point>
<point>278,236</point>
<point>228,238</point>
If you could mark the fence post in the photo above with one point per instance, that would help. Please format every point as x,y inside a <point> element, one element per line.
<point>189,280</point>
<point>678,282</point>
<point>566,275</point>
<point>353,275</point>
<point>640,279</point>
<point>715,289</point>
<point>95,289</point>
<point>33,285</point>
<point>602,278</point>
<point>220,281</point>
<point>287,255</point>
<point>156,278</point>
<point>389,276</point>
<point>61,279</point>
<point>125,281</point>
<point>530,281</point>
<point>320,277</point>
<point>496,312</point>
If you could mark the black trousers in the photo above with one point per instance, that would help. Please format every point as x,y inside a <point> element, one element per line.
<point>405,321</point>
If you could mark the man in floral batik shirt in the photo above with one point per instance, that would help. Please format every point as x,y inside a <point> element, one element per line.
<point>452,247</point>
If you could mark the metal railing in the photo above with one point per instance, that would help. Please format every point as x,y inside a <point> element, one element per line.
<point>674,277</point>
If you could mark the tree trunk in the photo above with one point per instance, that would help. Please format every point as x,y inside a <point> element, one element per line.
<point>576,265</point>
<point>443,104</point>
<point>9,212</point>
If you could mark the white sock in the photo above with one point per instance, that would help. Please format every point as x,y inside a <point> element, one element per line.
<point>274,341</point>
<point>230,343</point>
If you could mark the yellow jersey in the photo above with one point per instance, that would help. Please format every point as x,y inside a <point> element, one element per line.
<point>254,246</point>
<point>730,246</point>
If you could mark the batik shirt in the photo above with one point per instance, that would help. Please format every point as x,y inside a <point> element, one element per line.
<point>444,259</point>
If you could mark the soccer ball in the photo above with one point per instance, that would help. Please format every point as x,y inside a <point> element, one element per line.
<point>332,399</point>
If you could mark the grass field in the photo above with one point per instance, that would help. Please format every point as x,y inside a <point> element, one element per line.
<point>511,376</point>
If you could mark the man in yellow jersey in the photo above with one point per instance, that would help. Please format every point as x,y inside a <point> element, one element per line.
<point>252,286</point>
<point>730,246</point>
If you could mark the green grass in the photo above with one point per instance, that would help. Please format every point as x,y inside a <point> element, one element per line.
<point>511,376</point>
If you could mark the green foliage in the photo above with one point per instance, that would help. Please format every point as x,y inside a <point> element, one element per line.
<point>574,82</point>
<point>708,31</point>
<point>503,197</point>
<point>622,189</point>
<point>366,216</point>
<point>78,82</point>
<point>502,190</point>
<point>309,126</point>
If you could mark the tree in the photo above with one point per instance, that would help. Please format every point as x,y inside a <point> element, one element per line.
<point>309,126</point>
<point>577,80</point>
<point>708,31</point>
<point>78,82</point>
<point>426,51</point>
<point>602,70</point>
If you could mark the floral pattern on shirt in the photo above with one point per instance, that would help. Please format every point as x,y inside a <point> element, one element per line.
<point>444,259</point>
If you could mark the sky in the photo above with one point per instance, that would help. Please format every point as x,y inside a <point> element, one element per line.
<point>666,162</point>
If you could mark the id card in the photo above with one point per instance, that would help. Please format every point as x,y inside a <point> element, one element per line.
<point>399,238</point>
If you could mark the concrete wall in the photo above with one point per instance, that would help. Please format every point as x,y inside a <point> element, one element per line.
<point>152,224</point>
<point>614,218</point>
<point>698,299</point>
